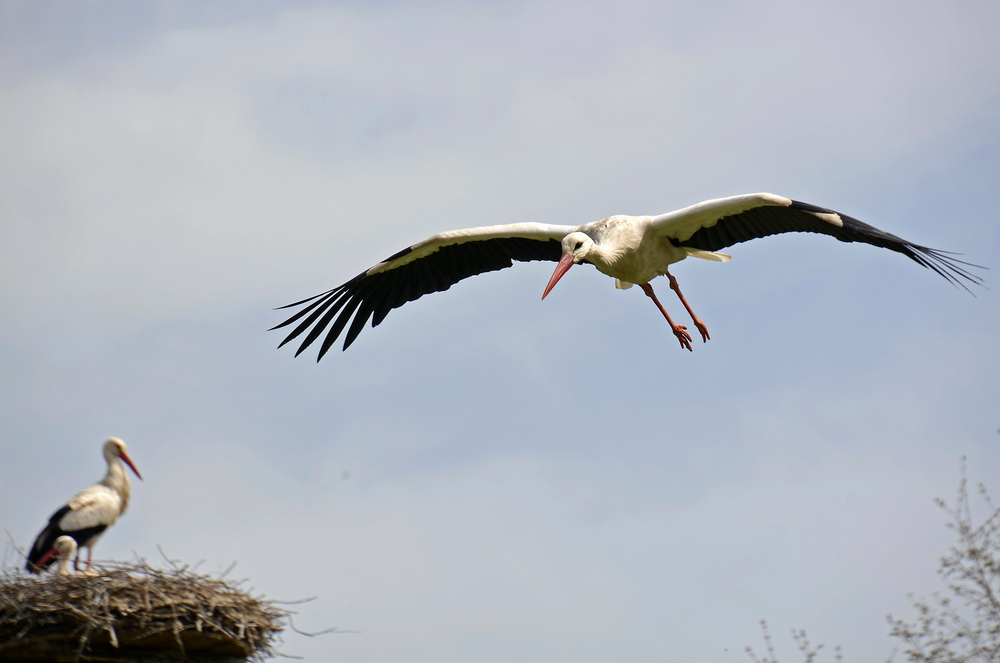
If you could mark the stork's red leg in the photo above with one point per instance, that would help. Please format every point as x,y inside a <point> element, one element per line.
<point>679,330</point>
<point>90,551</point>
<point>697,321</point>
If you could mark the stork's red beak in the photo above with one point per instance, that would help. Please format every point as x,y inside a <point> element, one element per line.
<point>564,264</point>
<point>40,564</point>
<point>128,461</point>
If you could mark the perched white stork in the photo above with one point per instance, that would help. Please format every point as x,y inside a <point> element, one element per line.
<point>85,517</point>
<point>65,548</point>
<point>631,249</point>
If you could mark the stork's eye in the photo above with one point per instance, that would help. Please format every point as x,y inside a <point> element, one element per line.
<point>578,245</point>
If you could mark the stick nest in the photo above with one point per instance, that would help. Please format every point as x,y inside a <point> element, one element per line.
<point>132,612</point>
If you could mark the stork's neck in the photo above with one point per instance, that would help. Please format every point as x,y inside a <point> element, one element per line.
<point>604,255</point>
<point>614,238</point>
<point>117,480</point>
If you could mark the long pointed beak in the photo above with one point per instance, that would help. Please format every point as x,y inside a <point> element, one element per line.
<point>128,461</point>
<point>45,558</point>
<point>564,264</point>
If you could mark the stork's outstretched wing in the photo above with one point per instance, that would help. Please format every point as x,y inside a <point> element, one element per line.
<point>716,224</point>
<point>429,266</point>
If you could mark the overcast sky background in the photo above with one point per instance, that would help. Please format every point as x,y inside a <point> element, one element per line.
<point>487,476</point>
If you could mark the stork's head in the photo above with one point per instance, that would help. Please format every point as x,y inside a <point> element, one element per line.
<point>64,547</point>
<point>115,448</point>
<point>575,247</point>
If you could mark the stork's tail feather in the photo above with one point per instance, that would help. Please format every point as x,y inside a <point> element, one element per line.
<point>714,256</point>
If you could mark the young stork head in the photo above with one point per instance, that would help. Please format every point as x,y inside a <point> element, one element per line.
<point>115,448</point>
<point>575,247</point>
<point>64,547</point>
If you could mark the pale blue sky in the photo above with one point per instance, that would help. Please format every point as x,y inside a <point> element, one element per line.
<point>540,481</point>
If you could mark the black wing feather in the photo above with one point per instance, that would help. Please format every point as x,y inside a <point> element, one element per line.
<point>374,296</point>
<point>389,299</point>
<point>800,217</point>
<point>338,326</point>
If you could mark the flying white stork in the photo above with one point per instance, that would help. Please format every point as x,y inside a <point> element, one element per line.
<point>65,548</point>
<point>85,517</point>
<point>631,249</point>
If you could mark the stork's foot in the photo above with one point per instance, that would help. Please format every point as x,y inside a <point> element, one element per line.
<point>680,331</point>
<point>703,329</point>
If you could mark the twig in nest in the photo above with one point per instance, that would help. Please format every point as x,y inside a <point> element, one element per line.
<point>334,629</point>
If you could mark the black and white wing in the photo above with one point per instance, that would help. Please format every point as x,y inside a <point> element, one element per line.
<point>432,265</point>
<point>716,224</point>
<point>83,518</point>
